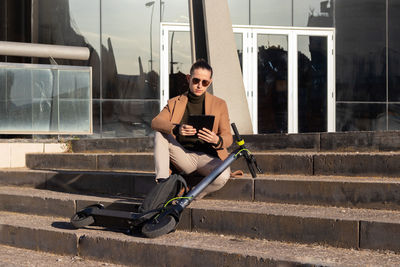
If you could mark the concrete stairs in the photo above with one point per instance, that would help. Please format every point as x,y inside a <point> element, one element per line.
<point>312,207</point>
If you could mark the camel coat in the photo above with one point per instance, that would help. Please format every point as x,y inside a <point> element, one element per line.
<point>172,114</point>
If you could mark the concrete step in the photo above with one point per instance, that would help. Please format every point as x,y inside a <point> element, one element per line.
<point>341,191</point>
<point>53,234</point>
<point>132,184</point>
<point>378,164</point>
<point>346,141</point>
<point>19,257</point>
<point>339,227</point>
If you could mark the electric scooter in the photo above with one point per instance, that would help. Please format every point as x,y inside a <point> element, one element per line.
<point>158,222</point>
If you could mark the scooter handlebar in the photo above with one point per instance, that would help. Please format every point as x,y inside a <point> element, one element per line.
<point>250,160</point>
<point>236,132</point>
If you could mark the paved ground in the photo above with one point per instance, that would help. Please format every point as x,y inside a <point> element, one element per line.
<point>17,257</point>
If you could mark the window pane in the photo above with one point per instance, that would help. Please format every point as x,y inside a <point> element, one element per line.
<point>180,61</point>
<point>360,50</point>
<point>271,12</point>
<point>312,83</point>
<point>313,13</point>
<point>239,48</point>
<point>272,83</point>
<point>128,118</point>
<point>394,117</point>
<point>96,119</point>
<point>130,54</point>
<point>45,100</point>
<point>75,23</point>
<point>360,117</point>
<point>174,11</point>
<point>394,50</point>
<point>239,10</point>
<point>16,100</point>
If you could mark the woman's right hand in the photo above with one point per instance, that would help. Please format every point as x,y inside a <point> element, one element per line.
<point>187,130</point>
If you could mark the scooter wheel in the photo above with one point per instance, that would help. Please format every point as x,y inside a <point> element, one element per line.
<point>156,227</point>
<point>81,219</point>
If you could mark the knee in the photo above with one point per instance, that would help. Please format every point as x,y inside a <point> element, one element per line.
<point>222,178</point>
<point>158,136</point>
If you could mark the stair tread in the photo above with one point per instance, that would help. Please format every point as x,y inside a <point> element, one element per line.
<point>311,254</point>
<point>300,153</point>
<point>247,176</point>
<point>277,209</point>
<point>49,194</point>
<point>19,257</point>
<point>299,210</point>
<point>25,169</point>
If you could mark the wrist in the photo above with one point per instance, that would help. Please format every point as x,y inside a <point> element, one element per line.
<point>218,142</point>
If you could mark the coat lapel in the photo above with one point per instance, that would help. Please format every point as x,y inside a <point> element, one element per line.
<point>207,103</point>
<point>179,109</point>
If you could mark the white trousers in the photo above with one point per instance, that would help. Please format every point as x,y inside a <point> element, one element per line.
<point>167,149</point>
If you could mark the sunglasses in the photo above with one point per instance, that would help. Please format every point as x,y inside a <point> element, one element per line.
<point>204,83</point>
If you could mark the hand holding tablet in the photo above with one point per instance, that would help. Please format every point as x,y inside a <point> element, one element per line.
<point>201,121</point>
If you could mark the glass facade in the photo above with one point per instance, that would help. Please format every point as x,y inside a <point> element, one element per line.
<point>312,83</point>
<point>45,99</point>
<point>272,83</point>
<point>367,64</point>
<point>124,41</point>
<point>394,51</point>
<point>180,61</point>
<point>313,13</point>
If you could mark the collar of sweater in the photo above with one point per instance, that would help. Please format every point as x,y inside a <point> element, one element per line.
<point>194,99</point>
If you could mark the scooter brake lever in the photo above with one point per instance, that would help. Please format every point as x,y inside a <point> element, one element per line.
<point>253,159</point>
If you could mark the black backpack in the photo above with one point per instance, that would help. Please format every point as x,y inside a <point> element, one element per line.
<point>163,192</point>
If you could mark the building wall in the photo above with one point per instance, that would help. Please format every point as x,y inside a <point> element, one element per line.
<point>123,37</point>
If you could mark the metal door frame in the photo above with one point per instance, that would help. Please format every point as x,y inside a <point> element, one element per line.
<point>249,61</point>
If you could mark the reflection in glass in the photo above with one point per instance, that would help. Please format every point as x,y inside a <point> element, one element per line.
<point>239,11</point>
<point>96,119</point>
<point>271,12</point>
<point>239,48</point>
<point>38,98</point>
<point>272,83</point>
<point>180,61</point>
<point>15,25</point>
<point>394,117</point>
<point>45,87</point>
<point>16,100</point>
<point>130,64</point>
<point>360,117</point>
<point>313,13</point>
<point>394,50</point>
<point>128,118</point>
<point>74,84</point>
<point>175,11</point>
<point>312,83</point>
<point>75,23</point>
<point>74,114</point>
<point>360,50</point>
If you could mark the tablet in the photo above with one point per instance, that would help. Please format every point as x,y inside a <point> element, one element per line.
<point>201,121</point>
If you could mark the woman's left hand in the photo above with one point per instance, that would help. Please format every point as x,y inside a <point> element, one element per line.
<point>208,136</point>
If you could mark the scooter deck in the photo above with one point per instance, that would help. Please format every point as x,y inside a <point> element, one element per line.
<point>115,214</point>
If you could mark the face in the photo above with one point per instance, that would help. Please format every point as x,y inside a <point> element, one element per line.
<point>199,81</point>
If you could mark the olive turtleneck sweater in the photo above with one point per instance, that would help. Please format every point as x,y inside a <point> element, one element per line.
<point>195,106</point>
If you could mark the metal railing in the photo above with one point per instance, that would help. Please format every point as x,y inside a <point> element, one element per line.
<point>43,50</point>
<point>45,99</point>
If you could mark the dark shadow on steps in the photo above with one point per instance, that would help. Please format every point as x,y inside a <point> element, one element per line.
<point>63,225</point>
<point>111,225</point>
<point>118,184</point>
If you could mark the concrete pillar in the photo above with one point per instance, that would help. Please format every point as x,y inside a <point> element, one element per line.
<point>220,48</point>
